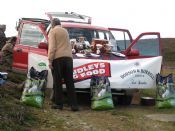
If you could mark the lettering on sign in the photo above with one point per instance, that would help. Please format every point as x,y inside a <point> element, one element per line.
<point>85,71</point>
<point>138,73</point>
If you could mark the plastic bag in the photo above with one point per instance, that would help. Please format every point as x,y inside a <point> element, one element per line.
<point>3,78</point>
<point>101,97</point>
<point>33,93</point>
<point>165,91</point>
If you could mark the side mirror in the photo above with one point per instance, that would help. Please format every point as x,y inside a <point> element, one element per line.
<point>134,52</point>
<point>42,45</point>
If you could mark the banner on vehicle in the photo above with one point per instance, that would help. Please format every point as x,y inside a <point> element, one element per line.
<point>133,73</point>
<point>85,71</point>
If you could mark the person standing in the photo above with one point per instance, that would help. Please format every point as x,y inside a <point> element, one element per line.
<point>2,36</point>
<point>7,54</point>
<point>61,63</point>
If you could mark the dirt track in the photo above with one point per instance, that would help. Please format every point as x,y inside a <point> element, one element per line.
<point>122,118</point>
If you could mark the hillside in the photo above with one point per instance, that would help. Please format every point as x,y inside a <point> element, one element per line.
<point>168,51</point>
<point>15,116</point>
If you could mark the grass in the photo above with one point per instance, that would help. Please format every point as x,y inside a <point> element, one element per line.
<point>168,51</point>
<point>18,117</point>
<point>16,78</point>
<point>13,114</point>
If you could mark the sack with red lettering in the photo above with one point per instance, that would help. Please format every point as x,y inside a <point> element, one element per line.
<point>101,97</point>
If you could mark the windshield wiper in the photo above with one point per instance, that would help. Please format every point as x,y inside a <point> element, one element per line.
<point>118,54</point>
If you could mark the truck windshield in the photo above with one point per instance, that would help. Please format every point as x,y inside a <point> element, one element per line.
<point>89,34</point>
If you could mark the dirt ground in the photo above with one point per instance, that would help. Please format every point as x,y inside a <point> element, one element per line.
<point>15,116</point>
<point>121,118</point>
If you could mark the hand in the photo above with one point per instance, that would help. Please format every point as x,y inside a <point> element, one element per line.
<point>50,65</point>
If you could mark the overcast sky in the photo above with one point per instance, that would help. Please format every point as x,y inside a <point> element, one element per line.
<point>136,15</point>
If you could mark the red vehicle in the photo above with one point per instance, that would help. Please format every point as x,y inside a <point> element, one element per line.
<point>33,37</point>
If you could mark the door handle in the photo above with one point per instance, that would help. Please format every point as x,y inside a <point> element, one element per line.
<point>19,50</point>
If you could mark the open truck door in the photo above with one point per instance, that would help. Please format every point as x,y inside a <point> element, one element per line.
<point>31,37</point>
<point>144,46</point>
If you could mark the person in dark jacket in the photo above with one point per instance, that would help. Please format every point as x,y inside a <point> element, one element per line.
<point>2,36</point>
<point>7,53</point>
<point>61,64</point>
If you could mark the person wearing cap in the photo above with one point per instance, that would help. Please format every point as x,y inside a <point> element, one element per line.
<point>61,63</point>
<point>7,53</point>
<point>2,36</point>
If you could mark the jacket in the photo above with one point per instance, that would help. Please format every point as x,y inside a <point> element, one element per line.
<point>59,43</point>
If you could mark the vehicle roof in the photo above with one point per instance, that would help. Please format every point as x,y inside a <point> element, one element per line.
<point>82,25</point>
<point>67,24</point>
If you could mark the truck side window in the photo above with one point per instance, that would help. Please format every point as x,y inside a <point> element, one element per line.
<point>31,35</point>
<point>101,35</point>
<point>148,45</point>
<point>122,39</point>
